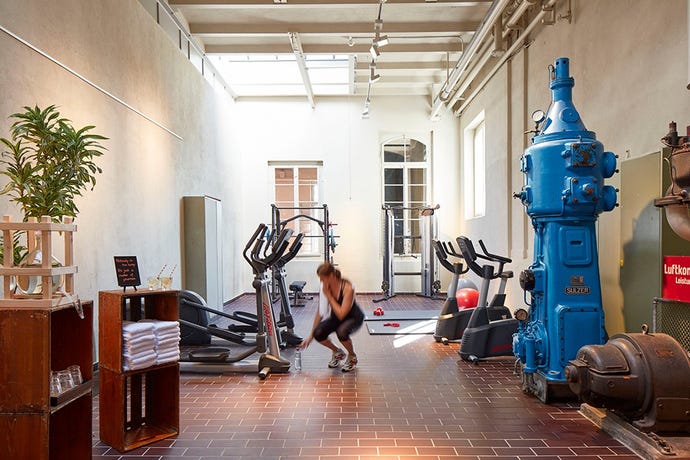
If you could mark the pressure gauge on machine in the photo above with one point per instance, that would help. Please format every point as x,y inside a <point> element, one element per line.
<point>538,116</point>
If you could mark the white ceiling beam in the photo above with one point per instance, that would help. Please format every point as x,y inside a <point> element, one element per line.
<point>440,48</point>
<point>296,46</point>
<point>227,4</point>
<point>340,28</point>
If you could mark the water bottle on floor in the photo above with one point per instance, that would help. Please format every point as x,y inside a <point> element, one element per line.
<point>298,359</point>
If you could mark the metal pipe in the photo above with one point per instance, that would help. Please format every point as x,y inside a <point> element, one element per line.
<point>512,22</point>
<point>486,53</point>
<point>511,50</point>
<point>484,29</point>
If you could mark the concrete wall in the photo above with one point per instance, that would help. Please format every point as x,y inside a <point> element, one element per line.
<point>629,61</point>
<point>135,207</point>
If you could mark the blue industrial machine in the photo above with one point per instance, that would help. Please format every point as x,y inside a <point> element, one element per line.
<point>564,193</point>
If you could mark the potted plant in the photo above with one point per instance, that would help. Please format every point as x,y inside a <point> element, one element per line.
<point>48,163</point>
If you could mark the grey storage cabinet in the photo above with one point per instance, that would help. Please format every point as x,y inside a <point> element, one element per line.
<point>202,240</point>
<point>646,237</point>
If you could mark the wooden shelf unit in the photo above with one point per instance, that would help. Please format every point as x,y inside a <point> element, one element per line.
<point>136,407</point>
<point>34,341</point>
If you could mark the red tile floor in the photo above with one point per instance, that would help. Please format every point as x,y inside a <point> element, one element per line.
<point>409,398</point>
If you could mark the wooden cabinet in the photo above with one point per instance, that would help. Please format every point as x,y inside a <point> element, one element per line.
<point>34,341</point>
<point>136,407</point>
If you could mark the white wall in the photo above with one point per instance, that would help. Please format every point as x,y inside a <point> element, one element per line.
<point>349,147</point>
<point>628,59</point>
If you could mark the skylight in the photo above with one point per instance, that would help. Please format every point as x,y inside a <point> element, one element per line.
<point>279,75</point>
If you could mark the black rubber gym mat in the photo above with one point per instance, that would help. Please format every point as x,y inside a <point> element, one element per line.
<point>401,327</point>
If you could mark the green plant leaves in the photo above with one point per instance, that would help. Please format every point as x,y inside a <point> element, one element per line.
<point>48,162</point>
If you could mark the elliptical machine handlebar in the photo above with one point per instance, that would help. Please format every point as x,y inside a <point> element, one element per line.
<point>292,252</point>
<point>485,271</point>
<point>255,240</point>
<point>276,249</point>
<point>256,243</point>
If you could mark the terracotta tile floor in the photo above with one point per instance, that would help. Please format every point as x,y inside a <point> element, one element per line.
<point>410,398</point>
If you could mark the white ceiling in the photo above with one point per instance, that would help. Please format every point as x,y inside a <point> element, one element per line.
<point>427,37</point>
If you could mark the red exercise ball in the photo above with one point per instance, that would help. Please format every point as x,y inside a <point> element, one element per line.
<point>467,298</point>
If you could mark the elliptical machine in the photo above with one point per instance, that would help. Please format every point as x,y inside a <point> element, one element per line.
<point>288,337</point>
<point>451,321</point>
<point>220,359</point>
<point>490,330</point>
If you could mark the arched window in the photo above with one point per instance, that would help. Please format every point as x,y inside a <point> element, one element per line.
<point>406,189</point>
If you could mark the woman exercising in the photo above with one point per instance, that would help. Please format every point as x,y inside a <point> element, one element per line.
<point>338,312</point>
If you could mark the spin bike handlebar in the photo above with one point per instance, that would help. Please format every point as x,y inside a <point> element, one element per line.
<point>443,250</point>
<point>488,271</point>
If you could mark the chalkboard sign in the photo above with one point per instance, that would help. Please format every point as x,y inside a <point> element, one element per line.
<point>127,271</point>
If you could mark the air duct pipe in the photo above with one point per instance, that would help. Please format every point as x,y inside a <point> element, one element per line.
<point>485,28</point>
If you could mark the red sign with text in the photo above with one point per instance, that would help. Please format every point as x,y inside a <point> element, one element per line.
<point>675,284</point>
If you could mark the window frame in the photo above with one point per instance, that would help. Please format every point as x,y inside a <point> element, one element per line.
<point>409,208</point>
<point>474,168</point>
<point>312,244</point>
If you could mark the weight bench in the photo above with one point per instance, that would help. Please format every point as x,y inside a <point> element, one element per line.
<point>298,297</point>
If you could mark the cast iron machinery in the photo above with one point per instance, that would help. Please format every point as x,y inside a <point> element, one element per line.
<point>645,378</point>
<point>564,193</point>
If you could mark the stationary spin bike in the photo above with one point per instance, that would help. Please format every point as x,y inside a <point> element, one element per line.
<point>490,330</point>
<point>452,321</point>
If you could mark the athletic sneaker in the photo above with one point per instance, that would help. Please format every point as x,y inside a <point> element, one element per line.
<point>336,358</point>
<point>350,364</point>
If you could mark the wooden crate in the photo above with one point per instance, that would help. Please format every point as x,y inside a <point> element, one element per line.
<point>46,271</point>
<point>136,407</point>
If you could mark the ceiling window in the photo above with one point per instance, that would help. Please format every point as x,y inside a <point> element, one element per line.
<point>274,75</point>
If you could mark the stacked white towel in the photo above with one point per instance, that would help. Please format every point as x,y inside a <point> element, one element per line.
<point>138,345</point>
<point>167,340</point>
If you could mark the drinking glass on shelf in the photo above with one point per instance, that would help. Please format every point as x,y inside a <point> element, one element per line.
<point>75,372</point>
<point>65,379</point>
<point>55,387</point>
<point>166,282</point>
<point>153,282</point>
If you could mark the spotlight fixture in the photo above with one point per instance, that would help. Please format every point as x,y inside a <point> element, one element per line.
<point>374,51</point>
<point>381,40</point>
<point>350,42</point>
<point>373,76</point>
<point>378,24</point>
